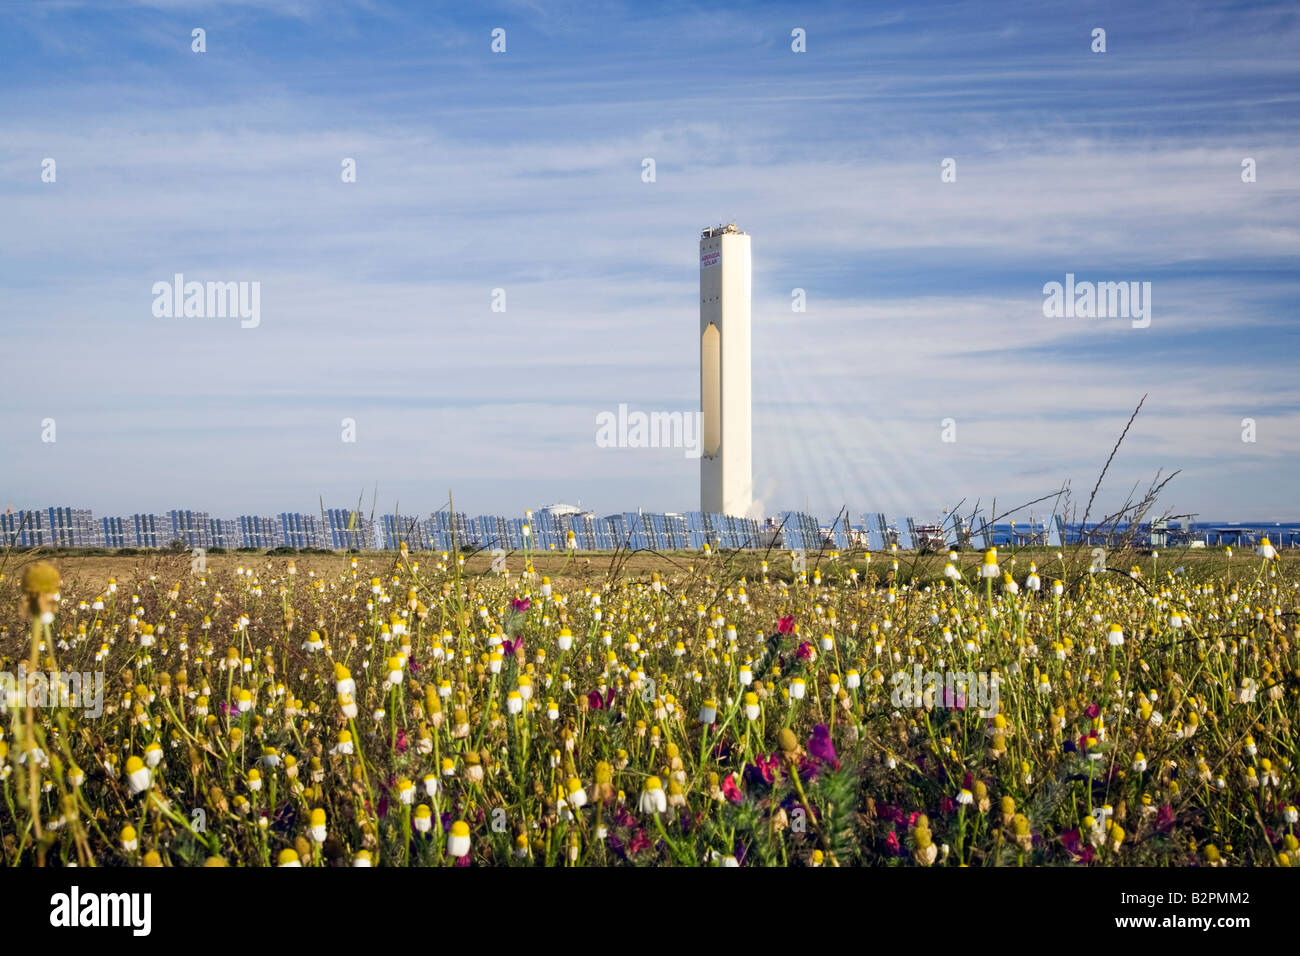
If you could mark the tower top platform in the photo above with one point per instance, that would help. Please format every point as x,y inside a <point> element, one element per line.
<point>723,230</point>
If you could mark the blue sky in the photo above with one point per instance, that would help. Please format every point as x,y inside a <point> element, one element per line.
<point>522,171</point>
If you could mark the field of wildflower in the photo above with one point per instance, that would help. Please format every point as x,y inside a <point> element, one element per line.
<point>701,709</point>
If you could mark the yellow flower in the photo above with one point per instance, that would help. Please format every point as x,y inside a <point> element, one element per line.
<point>40,578</point>
<point>458,839</point>
<point>40,583</point>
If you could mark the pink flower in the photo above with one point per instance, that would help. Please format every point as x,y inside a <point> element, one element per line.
<point>730,790</point>
<point>805,652</point>
<point>785,625</point>
<point>1070,840</point>
<point>763,769</point>
<point>639,842</point>
<point>520,604</point>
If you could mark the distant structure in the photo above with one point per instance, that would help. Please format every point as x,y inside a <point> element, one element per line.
<point>51,527</point>
<point>564,527</point>
<point>346,529</point>
<point>726,462</point>
<point>151,530</point>
<point>259,531</point>
<point>299,530</point>
<point>192,528</point>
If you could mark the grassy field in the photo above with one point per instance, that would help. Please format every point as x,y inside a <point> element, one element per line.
<point>652,709</point>
<point>94,569</point>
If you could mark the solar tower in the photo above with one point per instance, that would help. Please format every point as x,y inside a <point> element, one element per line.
<point>726,467</point>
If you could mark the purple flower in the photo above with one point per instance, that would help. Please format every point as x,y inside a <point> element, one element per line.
<point>809,768</point>
<point>616,845</point>
<point>521,605</point>
<point>822,748</point>
<point>740,852</point>
<point>623,817</point>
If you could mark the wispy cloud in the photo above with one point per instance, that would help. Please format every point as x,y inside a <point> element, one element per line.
<point>523,172</point>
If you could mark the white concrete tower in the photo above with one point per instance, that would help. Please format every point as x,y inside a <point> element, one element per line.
<point>726,466</point>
